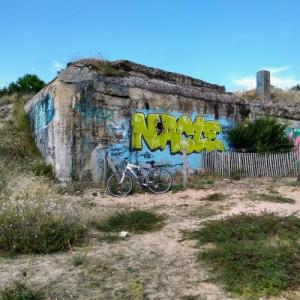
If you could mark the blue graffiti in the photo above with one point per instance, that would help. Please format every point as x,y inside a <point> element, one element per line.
<point>91,113</point>
<point>42,113</point>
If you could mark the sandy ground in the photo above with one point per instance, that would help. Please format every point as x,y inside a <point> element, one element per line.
<point>156,265</point>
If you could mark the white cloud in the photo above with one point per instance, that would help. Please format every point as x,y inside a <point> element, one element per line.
<point>245,83</point>
<point>284,83</point>
<point>280,81</point>
<point>57,66</point>
<point>275,70</point>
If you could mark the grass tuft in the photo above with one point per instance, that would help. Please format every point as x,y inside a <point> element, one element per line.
<point>253,255</point>
<point>214,197</point>
<point>79,259</point>
<point>273,198</point>
<point>104,67</point>
<point>18,291</point>
<point>137,221</point>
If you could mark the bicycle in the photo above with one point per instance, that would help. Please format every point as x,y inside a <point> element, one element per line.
<point>157,179</point>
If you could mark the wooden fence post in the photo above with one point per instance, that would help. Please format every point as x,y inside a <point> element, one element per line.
<point>185,169</point>
<point>298,154</point>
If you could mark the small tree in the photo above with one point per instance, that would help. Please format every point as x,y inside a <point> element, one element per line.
<point>296,88</point>
<point>264,134</point>
<point>27,84</point>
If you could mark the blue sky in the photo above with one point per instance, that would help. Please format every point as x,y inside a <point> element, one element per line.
<point>220,41</point>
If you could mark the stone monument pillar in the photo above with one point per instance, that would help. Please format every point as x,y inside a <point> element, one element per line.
<point>263,87</point>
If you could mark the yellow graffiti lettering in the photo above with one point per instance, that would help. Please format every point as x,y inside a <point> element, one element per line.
<point>182,134</point>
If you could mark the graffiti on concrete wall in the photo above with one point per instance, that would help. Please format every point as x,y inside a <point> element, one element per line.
<point>138,135</point>
<point>158,130</point>
<point>103,117</point>
<point>42,114</point>
<point>294,135</point>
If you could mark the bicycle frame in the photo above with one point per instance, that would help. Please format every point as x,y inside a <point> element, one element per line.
<point>130,169</point>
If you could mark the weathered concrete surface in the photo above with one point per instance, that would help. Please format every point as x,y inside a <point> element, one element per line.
<point>263,85</point>
<point>89,111</point>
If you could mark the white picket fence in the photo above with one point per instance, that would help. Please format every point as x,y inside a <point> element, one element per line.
<point>252,164</point>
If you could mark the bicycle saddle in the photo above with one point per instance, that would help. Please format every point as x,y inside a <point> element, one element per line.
<point>150,162</point>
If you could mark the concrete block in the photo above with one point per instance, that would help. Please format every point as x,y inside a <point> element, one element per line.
<point>263,86</point>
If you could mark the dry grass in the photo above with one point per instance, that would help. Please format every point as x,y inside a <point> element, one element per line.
<point>34,220</point>
<point>195,181</point>
<point>277,96</point>
<point>102,66</point>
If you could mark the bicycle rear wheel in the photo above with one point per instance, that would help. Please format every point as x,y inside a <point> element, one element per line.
<point>159,181</point>
<point>119,184</point>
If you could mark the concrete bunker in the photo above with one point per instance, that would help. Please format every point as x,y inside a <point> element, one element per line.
<point>87,111</point>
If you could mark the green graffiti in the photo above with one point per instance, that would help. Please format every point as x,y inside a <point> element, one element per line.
<point>182,134</point>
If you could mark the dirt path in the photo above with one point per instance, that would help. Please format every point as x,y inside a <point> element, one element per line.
<point>157,265</point>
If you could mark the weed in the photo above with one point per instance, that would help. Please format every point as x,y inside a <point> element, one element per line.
<point>137,221</point>
<point>214,197</point>
<point>79,259</point>
<point>254,255</point>
<point>273,198</point>
<point>18,291</point>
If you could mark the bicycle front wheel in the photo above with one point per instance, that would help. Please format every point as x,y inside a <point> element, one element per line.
<point>119,184</point>
<point>159,181</point>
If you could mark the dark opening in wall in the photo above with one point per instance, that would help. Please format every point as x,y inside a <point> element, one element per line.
<point>159,126</point>
<point>147,106</point>
<point>216,109</point>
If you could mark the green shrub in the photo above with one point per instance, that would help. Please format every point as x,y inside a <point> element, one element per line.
<point>264,134</point>
<point>252,255</point>
<point>31,229</point>
<point>19,291</point>
<point>134,221</point>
